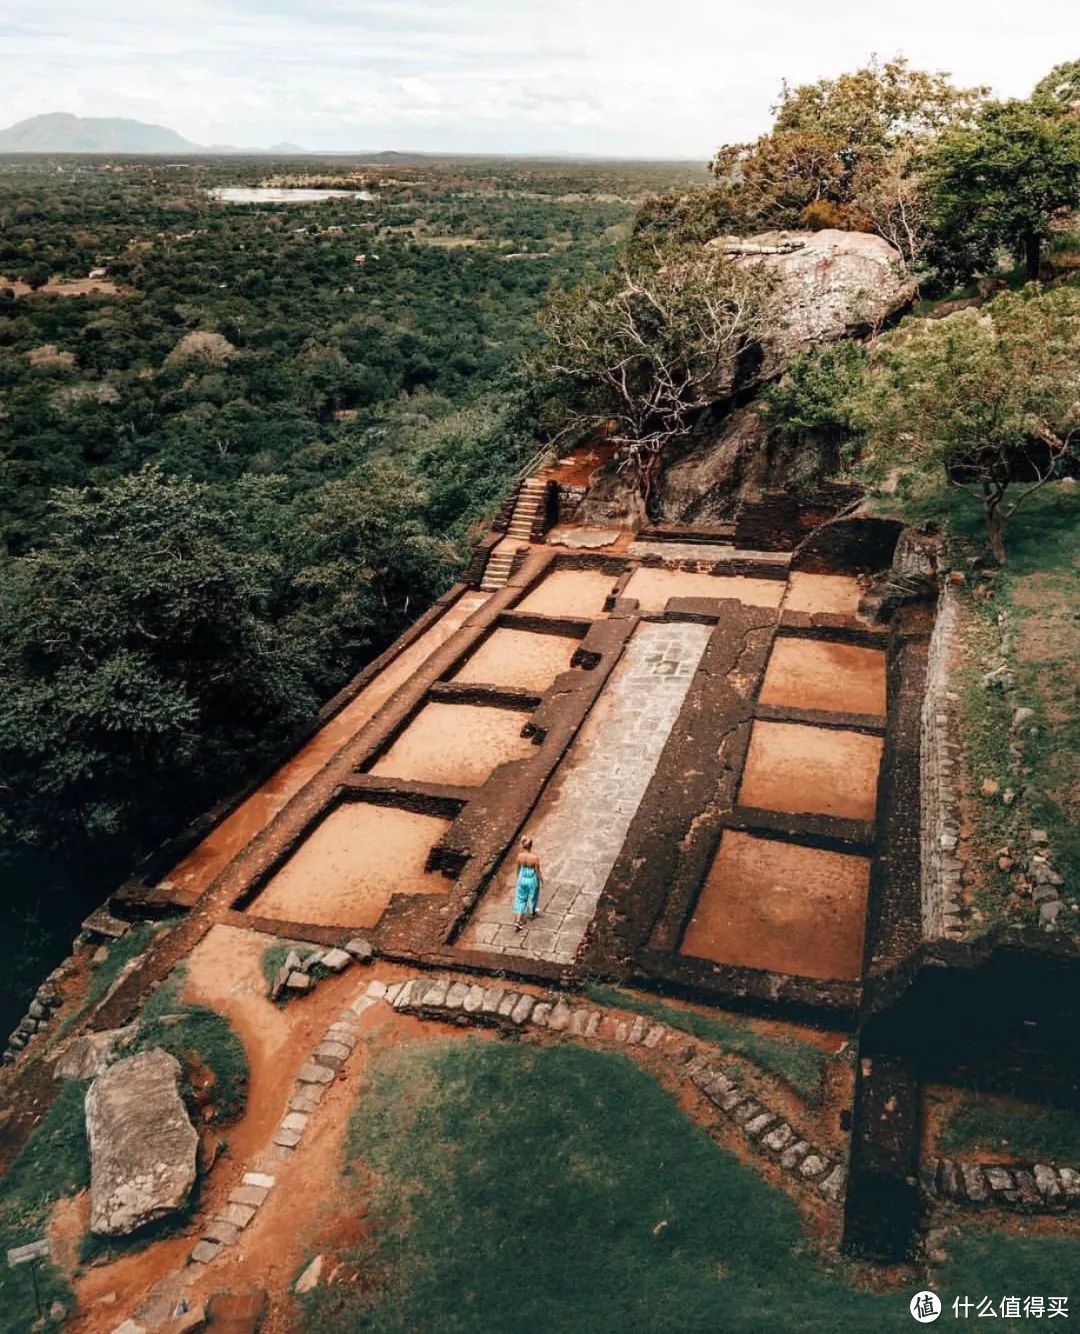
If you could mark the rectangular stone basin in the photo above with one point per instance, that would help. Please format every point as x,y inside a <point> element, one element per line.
<point>811,771</point>
<point>817,674</point>
<point>654,585</point>
<point>455,744</point>
<point>781,907</point>
<point>345,871</point>
<point>519,658</point>
<point>835,593</point>
<point>580,593</point>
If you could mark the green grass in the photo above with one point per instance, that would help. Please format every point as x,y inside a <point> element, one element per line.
<point>1036,590</point>
<point>53,1162</point>
<point>274,957</point>
<point>1038,1134</point>
<point>121,952</point>
<point>797,1063</point>
<point>197,1034</point>
<point>515,1187</point>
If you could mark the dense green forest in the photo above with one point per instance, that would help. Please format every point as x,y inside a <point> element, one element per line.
<point>236,469</point>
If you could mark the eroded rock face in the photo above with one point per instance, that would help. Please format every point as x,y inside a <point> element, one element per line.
<point>142,1145</point>
<point>614,501</point>
<point>87,1055</point>
<point>705,482</point>
<point>828,285</point>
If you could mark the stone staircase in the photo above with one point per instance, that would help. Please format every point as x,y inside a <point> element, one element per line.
<point>520,530</point>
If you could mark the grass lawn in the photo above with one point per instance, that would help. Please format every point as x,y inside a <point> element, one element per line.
<point>518,1187</point>
<point>797,1063</point>
<point>1039,1134</point>
<point>1038,592</point>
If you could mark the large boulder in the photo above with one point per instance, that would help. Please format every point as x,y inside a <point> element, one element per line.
<point>87,1055</point>
<point>825,285</point>
<point>705,481</point>
<point>142,1145</point>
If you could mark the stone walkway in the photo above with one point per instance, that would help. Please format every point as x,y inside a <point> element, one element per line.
<point>580,824</point>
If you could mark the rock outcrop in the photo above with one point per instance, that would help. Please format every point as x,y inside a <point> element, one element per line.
<point>142,1145</point>
<point>87,1055</point>
<point>826,285</point>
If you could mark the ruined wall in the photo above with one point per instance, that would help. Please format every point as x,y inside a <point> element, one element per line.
<point>939,748</point>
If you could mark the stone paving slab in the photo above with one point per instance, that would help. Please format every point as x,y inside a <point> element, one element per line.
<point>579,829</point>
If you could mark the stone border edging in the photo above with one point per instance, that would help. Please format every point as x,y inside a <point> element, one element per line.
<point>509,1010</point>
<point>1026,1188</point>
<point>331,1053</point>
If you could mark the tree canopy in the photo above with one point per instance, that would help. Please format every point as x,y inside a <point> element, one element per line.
<point>1002,180</point>
<point>987,399</point>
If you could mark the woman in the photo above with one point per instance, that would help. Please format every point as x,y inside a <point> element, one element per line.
<point>527,890</point>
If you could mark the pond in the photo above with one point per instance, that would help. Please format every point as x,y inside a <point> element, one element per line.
<point>266,194</point>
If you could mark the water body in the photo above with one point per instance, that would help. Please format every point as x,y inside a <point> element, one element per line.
<point>265,194</point>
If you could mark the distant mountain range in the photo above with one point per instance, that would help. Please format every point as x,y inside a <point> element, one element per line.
<point>59,132</point>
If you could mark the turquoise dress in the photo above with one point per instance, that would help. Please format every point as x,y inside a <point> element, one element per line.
<point>527,890</point>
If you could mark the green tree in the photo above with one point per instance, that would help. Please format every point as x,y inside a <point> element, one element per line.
<point>641,352</point>
<point>987,399</point>
<point>141,666</point>
<point>1000,182</point>
<point>844,152</point>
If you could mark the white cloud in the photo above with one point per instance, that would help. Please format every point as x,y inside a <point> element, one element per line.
<point>640,77</point>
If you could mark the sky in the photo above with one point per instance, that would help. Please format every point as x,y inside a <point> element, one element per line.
<point>662,78</point>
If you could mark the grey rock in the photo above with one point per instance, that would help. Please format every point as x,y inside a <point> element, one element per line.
<point>540,1014</point>
<point>314,1074</point>
<point>653,1036</point>
<point>361,950</point>
<point>779,1138</point>
<point>333,1054</point>
<point>435,996</point>
<point>336,960</point>
<point>251,1195</point>
<point>309,1279</point>
<point>999,1178</point>
<point>744,1113</point>
<point>522,1009</point>
<point>1046,1181</point>
<point>297,981</point>
<point>455,996</point>
<point>833,1185</point>
<point>975,1187</point>
<point>492,999</point>
<point>206,1251</point>
<point>221,1231</point>
<point>757,1125</point>
<point>813,1165</point>
<point>239,1215</point>
<point>142,1145</point>
<point>638,1029</point>
<point>508,1003</point>
<point>286,1139</point>
<point>1048,912</point>
<point>559,1018</point>
<point>1020,717</point>
<point>794,1154</point>
<point>474,1000</point>
<point>88,1054</point>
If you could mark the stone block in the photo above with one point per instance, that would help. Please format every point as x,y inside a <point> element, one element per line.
<point>813,1165</point>
<point>794,1154</point>
<point>653,1036</point>
<point>332,1054</point>
<point>508,1003</point>
<point>833,1185</point>
<point>219,1230</point>
<point>297,981</point>
<point>343,1033</point>
<point>559,1019</point>
<point>492,999</point>
<point>540,1013</point>
<point>294,1121</point>
<point>1000,1178</point>
<point>375,989</point>
<point>745,1112</point>
<point>473,1000</point>
<point>778,1138</point>
<point>455,996</point>
<point>975,1187</point>
<point>239,1215</point>
<point>336,960</point>
<point>205,1251</point>
<point>1046,1182</point>
<point>287,1139</point>
<point>253,1195</point>
<point>314,1074</point>
<point>757,1125</point>
<point>263,1179</point>
<point>361,950</point>
<point>522,1009</point>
